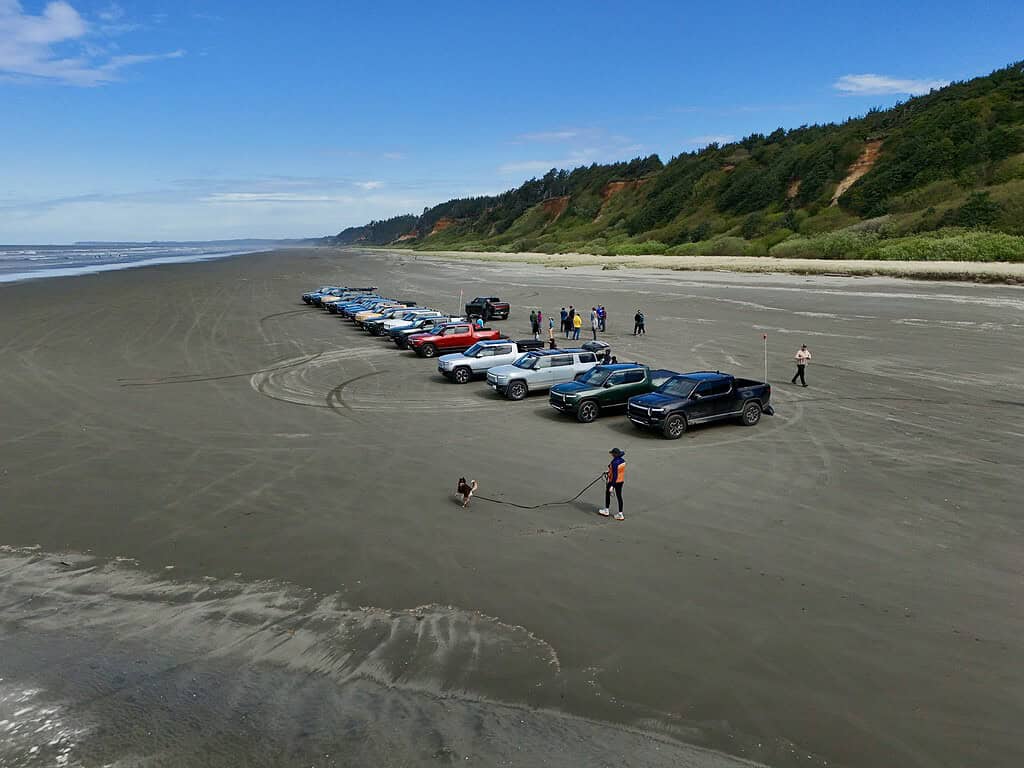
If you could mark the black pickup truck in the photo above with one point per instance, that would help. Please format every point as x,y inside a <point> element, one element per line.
<point>488,307</point>
<point>698,398</point>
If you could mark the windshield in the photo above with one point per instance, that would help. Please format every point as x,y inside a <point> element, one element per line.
<point>595,377</point>
<point>527,362</point>
<point>678,387</point>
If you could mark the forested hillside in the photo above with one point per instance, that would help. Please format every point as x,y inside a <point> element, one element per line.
<point>939,176</point>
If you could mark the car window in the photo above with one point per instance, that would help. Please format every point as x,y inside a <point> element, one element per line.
<point>720,387</point>
<point>616,378</point>
<point>588,357</point>
<point>703,389</point>
<point>632,377</point>
<point>543,362</point>
<point>502,350</point>
<point>459,329</point>
<point>560,360</point>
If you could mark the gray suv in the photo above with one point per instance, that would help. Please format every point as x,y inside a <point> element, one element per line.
<point>539,371</point>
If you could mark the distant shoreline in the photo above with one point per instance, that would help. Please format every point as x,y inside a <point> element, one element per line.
<point>1004,273</point>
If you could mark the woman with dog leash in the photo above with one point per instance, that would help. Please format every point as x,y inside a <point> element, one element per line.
<point>615,477</point>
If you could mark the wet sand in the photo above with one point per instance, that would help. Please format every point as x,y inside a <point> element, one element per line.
<point>839,585</point>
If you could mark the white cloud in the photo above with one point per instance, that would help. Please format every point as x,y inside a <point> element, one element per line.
<point>876,85</point>
<point>28,46</point>
<point>549,136</point>
<point>274,197</point>
<point>368,185</point>
<point>703,141</point>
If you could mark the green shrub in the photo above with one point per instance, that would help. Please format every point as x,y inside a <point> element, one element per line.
<point>1009,169</point>
<point>639,249</point>
<point>829,245</point>
<point>964,246</point>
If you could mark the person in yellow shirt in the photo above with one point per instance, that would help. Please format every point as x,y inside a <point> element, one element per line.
<point>577,323</point>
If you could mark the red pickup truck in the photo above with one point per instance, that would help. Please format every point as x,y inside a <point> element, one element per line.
<point>454,337</point>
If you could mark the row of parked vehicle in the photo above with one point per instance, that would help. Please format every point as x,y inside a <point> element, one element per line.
<point>577,380</point>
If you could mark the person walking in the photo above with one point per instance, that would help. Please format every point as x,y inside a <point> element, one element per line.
<point>577,323</point>
<point>551,330</point>
<point>595,322</point>
<point>802,357</point>
<point>615,477</point>
<point>565,320</point>
<point>602,315</point>
<point>534,327</point>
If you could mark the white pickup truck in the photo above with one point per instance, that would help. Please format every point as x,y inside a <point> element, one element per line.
<point>539,371</point>
<point>483,356</point>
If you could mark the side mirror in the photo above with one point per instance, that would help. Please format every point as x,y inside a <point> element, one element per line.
<point>695,396</point>
<point>607,385</point>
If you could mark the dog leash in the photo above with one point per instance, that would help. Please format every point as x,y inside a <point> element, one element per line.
<point>546,503</point>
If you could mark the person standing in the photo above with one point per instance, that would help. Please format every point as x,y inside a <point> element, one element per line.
<point>551,331</point>
<point>565,322</point>
<point>577,323</point>
<point>534,327</point>
<point>615,477</point>
<point>602,314</point>
<point>570,321</point>
<point>639,322</point>
<point>595,322</point>
<point>802,357</point>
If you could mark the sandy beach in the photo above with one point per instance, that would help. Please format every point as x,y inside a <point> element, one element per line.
<point>969,271</point>
<point>229,535</point>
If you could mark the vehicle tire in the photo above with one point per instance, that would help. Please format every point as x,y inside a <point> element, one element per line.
<point>751,414</point>
<point>428,350</point>
<point>516,390</point>
<point>674,426</point>
<point>462,375</point>
<point>587,411</point>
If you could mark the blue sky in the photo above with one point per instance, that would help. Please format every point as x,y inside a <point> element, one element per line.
<point>198,120</point>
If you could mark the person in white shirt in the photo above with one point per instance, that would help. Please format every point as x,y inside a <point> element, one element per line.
<point>802,357</point>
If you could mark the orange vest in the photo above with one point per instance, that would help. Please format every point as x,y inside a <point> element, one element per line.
<point>617,471</point>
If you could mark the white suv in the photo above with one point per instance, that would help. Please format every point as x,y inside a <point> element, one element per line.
<point>539,371</point>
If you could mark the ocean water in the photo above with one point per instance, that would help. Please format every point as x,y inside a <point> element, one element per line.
<point>28,262</point>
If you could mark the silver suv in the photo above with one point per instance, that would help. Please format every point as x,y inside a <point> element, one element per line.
<point>539,371</point>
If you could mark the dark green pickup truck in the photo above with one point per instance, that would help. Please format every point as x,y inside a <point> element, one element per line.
<point>604,388</point>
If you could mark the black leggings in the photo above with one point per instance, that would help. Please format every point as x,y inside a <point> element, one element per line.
<point>608,494</point>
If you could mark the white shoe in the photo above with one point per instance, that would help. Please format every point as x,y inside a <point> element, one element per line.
<point>619,516</point>
<point>603,512</point>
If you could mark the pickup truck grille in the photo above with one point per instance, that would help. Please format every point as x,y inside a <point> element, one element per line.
<point>638,412</point>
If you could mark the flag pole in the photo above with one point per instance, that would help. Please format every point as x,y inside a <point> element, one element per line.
<point>764,337</point>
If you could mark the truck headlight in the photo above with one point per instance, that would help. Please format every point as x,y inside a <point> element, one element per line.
<point>657,410</point>
<point>572,396</point>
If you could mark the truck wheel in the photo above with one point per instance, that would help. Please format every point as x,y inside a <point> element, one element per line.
<point>751,414</point>
<point>516,390</point>
<point>674,427</point>
<point>462,374</point>
<point>587,411</point>
<point>428,350</point>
